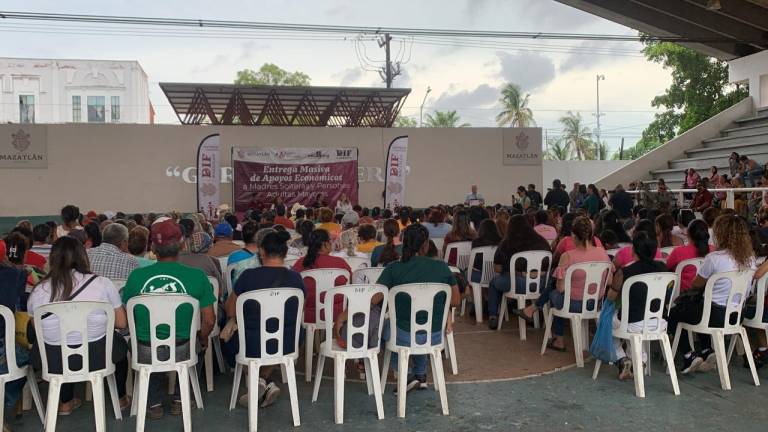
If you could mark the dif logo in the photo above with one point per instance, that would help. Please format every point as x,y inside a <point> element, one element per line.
<point>344,153</point>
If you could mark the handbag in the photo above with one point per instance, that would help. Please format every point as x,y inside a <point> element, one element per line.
<point>602,344</point>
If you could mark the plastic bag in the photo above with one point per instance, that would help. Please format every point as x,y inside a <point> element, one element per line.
<point>602,344</point>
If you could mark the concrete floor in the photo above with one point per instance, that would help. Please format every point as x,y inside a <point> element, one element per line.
<point>565,400</point>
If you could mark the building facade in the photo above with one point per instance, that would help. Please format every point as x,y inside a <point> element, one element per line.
<point>73,91</point>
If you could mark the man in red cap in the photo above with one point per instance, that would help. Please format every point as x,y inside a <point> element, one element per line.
<point>168,276</point>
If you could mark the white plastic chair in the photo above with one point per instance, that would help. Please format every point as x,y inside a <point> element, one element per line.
<point>73,318</point>
<point>223,262</point>
<point>462,252</point>
<point>486,274</point>
<point>162,312</point>
<point>596,278</point>
<point>439,242</point>
<point>358,305</point>
<point>450,343</point>
<point>324,280</point>
<point>214,343</point>
<point>756,322</point>
<point>653,327</point>
<point>119,284</point>
<point>357,262</point>
<point>422,297</point>
<point>272,307</point>
<point>15,371</point>
<point>665,251</point>
<point>368,275</point>
<point>741,282</point>
<point>289,262</point>
<point>535,262</point>
<point>696,263</point>
<point>229,276</point>
<point>612,253</point>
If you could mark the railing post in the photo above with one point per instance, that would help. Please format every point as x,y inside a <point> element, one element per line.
<point>730,198</point>
<point>680,199</point>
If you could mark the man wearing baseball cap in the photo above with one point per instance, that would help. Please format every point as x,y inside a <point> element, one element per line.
<point>168,276</point>
<point>222,243</point>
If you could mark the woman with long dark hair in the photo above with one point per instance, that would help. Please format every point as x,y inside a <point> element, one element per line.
<point>391,249</point>
<point>300,245</point>
<point>319,257</point>
<point>461,231</point>
<point>436,225</point>
<point>415,267</point>
<point>70,279</point>
<point>698,247</point>
<point>664,225</point>
<point>521,237</point>
<point>610,221</point>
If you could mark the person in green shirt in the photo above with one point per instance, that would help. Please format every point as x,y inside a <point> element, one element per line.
<point>592,202</point>
<point>168,276</point>
<point>415,267</point>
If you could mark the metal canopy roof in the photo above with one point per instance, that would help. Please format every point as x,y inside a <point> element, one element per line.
<point>726,29</point>
<point>227,104</point>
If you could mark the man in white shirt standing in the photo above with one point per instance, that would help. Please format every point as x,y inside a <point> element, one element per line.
<point>474,198</point>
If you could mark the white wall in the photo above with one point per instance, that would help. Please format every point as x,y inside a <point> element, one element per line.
<point>754,70</point>
<point>53,83</point>
<point>585,172</point>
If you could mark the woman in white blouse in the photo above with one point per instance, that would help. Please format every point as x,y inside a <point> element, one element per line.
<point>343,205</point>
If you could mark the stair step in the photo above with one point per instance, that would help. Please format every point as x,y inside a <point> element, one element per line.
<point>727,149</point>
<point>752,121</point>
<point>762,112</point>
<point>704,162</point>
<point>753,138</point>
<point>745,131</point>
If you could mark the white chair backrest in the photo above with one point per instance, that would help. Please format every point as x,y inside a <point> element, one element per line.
<point>325,279</point>
<point>760,292</point>
<point>358,298</point>
<point>289,263</point>
<point>293,257</point>
<point>423,296</point>
<point>119,284</point>
<point>73,318</point>
<point>439,242</point>
<point>272,304</point>
<point>368,275</point>
<point>539,262</point>
<point>239,243</point>
<point>357,262</point>
<point>380,235</point>
<point>656,285</point>
<point>461,250</point>
<point>161,309</point>
<point>681,266</point>
<point>487,253</point>
<point>741,284</point>
<point>665,251</point>
<point>612,253</point>
<point>223,262</point>
<point>229,278</point>
<point>216,289</point>
<point>596,278</point>
<point>10,342</point>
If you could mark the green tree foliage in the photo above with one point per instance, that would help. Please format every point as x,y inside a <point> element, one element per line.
<point>557,150</point>
<point>577,138</point>
<point>271,74</point>
<point>699,90</point>
<point>515,112</point>
<point>405,122</point>
<point>444,119</point>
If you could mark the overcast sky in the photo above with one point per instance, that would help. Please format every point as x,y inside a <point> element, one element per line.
<point>559,76</point>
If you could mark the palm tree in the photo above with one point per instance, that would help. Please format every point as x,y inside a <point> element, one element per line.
<point>515,108</point>
<point>577,137</point>
<point>557,150</point>
<point>444,119</point>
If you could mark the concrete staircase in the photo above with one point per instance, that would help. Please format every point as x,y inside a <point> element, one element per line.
<point>749,137</point>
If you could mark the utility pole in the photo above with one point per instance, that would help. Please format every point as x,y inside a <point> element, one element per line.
<point>388,64</point>
<point>598,78</point>
<point>421,109</point>
<point>621,149</point>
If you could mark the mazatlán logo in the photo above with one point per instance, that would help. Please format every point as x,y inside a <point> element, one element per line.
<point>163,284</point>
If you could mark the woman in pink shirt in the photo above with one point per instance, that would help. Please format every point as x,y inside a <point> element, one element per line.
<point>624,256</point>
<point>583,251</point>
<point>692,178</point>
<point>566,243</point>
<point>542,227</point>
<point>698,247</point>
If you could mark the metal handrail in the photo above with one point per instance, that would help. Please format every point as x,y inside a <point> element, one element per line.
<point>730,192</point>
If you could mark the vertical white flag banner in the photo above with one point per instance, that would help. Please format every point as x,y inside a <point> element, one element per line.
<point>397,154</point>
<point>209,176</point>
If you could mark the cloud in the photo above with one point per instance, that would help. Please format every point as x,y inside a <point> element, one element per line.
<point>581,59</point>
<point>482,95</point>
<point>348,77</point>
<point>218,60</point>
<point>527,69</point>
<point>249,49</point>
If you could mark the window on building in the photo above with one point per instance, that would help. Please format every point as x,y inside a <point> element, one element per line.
<point>115,103</point>
<point>95,109</point>
<point>77,109</point>
<point>26,109</point>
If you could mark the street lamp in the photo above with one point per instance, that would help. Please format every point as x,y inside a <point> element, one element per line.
<point>598,78</point>
<point>421,109</point>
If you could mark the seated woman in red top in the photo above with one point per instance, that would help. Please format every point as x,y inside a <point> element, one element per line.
<point>318,257</point>
<point>624,256</point>
<point>698,247</point>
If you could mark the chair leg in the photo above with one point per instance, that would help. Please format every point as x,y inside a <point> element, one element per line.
<point>669,358</point>
<point>439,376</point>
<point>195,381</point>
<point>141,402</point>
<point>236,386</point>
<point>129,380</point>
<point>112,384</point>
<point>186,400</point>
<point>536,320</point>
<point>209,365</point>
<point>253,397</point>
<point>385,369</point>
<point>97,384</point>
<point>452,353</point>
<point>368,376</point>
<point>318,375</point>
<point>463,306</point>
<point>502,312</point>
<point>374,359</point>
<point>731,347</point>
<point>308,351</point>
<point>26,398</point>
<point>88,392</point>
<point>134,397</point>
<point>595,371</point>
<point>547,329</point>
<point>637,366</point>
<point>577,335</point>
<point>34,389</point>
<point>294,396</point>
<point>338,389</point>
<point>52,408</point>
<point>647,350</point>
<point>477,296</point>
<point>718,340</point>
<point>748,351</point>
<point>223,366</point>
<point>402,378</point>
